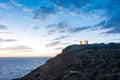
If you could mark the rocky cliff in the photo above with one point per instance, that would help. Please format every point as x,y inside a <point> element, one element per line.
<point>86,62</point>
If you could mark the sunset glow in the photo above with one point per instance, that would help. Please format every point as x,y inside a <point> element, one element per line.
<point>34,28</point>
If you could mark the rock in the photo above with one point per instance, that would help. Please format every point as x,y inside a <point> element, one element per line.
<point>86,62</point>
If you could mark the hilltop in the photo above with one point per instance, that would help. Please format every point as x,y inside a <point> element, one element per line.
<point>76,62</point>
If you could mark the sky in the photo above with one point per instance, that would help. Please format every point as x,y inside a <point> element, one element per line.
<point>34,28</point>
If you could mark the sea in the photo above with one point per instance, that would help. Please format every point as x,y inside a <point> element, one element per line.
<point>16,67</point>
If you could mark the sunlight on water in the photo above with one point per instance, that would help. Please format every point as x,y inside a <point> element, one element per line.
<point>11,68</point>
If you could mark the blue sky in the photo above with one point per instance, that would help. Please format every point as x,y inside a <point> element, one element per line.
<point>45,27</point>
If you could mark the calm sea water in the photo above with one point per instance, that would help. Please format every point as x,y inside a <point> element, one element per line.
<point>11,68</point>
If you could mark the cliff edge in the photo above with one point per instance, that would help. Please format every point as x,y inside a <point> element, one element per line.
<point>76,62</point>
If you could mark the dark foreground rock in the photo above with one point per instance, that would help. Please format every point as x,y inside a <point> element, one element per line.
<point>86,62</point>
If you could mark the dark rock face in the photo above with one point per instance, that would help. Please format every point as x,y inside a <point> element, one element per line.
<point>86,62</point>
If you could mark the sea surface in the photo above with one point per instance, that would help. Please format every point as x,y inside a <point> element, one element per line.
<point>11,68</point>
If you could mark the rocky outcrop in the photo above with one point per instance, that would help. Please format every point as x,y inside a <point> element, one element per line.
<point>86,62</point>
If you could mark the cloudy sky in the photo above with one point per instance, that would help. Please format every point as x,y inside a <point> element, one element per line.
<point>45,27</point>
